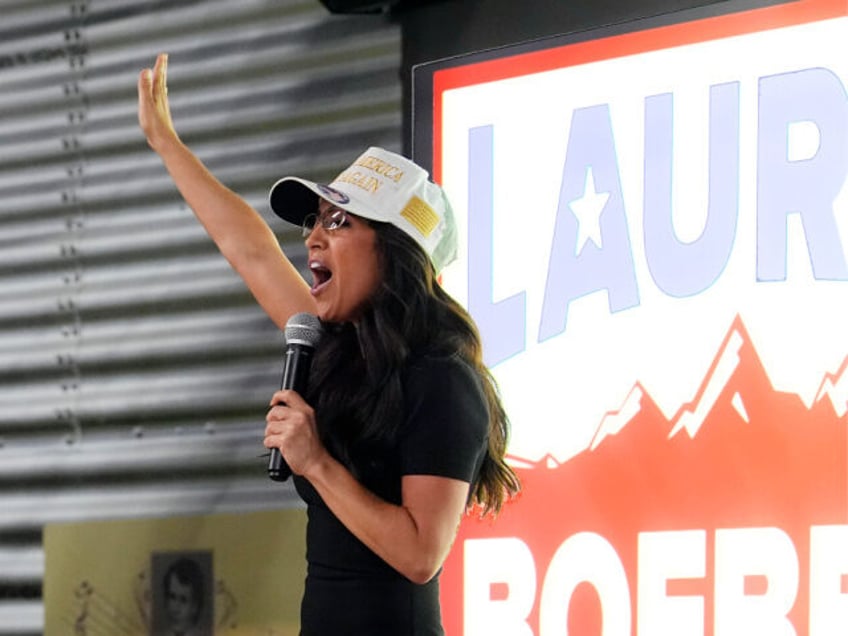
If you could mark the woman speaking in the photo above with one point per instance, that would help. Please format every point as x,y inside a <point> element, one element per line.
<point>401,430</point>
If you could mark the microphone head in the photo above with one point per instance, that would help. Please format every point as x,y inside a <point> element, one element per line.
<point>303,329</point>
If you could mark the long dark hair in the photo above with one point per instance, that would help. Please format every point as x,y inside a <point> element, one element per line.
<point>359,368</point>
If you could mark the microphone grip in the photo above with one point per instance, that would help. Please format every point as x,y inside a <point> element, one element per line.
<point>278,469</point>
<point>295,376</point>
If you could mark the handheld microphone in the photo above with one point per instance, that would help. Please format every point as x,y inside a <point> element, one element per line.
<point>303,333</point>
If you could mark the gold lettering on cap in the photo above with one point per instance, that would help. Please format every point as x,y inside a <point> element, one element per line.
<point>382,168</point>
<point>367,182</point>
<point>422,217</point>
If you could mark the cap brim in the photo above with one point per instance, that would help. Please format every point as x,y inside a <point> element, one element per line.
<point>292,198</point>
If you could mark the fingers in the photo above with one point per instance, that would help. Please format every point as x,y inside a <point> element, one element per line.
<point>273,427</point>
<point>145,78</point>
<point>145,81</point>
<point>153,83</point>
<point>154,113</point>
<point>288,412</point>
<point>270,440</point>
<point>290,426</point>
<point>279,424</point>
<point>290,398</point>
<point>160,77</point>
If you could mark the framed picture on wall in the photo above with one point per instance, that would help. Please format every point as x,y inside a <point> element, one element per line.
<point>183,593</point>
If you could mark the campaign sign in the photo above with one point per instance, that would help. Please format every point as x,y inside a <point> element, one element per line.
<point>655,248</point>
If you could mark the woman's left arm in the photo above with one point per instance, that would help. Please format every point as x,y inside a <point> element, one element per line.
<point>413,537</point>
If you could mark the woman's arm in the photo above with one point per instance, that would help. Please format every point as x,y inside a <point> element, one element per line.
<point>414,537</point>
<point>240,233</point>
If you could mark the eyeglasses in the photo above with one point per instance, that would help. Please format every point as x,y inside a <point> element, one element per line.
<point>330,220</point>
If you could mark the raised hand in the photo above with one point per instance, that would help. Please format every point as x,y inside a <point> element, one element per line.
<point>154,113</point>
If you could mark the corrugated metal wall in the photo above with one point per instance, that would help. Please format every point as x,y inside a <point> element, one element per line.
<point>134,366</point>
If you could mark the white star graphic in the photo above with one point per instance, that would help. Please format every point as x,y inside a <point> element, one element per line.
<point>587,210</point>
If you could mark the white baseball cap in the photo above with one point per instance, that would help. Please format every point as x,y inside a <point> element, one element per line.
<point>381,186</point>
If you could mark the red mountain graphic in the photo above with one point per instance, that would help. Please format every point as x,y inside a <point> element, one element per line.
<point>739,455</point>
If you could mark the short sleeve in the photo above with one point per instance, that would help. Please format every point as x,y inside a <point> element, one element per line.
<point>446,426</point>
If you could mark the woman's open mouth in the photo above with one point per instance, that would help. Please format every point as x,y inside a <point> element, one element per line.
<point>320,276</point>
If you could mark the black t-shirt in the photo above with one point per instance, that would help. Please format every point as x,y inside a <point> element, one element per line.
<point>350,591</point>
